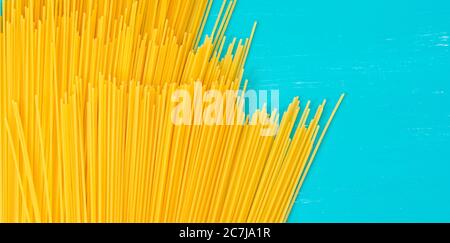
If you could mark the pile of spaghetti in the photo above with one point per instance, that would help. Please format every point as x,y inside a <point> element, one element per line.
<point>87,131</point>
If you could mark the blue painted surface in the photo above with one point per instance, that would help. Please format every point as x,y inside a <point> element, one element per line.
<point>386,157</point>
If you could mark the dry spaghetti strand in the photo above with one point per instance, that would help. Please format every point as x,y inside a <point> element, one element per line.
<point>86,109</point>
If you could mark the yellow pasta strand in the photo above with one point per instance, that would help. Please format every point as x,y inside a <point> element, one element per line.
<point>87,107</point>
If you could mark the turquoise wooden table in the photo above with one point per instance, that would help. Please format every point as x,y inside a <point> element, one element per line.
<point>386,157</point>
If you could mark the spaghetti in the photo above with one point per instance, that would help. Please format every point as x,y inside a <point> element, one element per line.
<point>86,118</point>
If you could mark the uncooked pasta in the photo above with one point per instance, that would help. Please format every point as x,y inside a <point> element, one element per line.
<point>102,119</point>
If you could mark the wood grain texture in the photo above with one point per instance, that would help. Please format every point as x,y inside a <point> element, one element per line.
<point>386,158</point>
